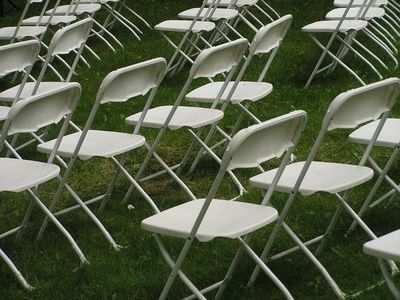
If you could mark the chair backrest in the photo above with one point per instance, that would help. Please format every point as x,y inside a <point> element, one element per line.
<point>135,80</point>
<point>65,40</point>
<point>361,105</point>
<point>70,37</point>
<point>271,35</point>
<point>219,59</point>
<point>18,56</point>
<point>262,142</point>
<point>35,112</point>
<point>355,107</point>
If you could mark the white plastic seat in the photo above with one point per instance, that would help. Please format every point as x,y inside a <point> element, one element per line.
<point>104,144</point>
<point>75,10</point>
<point>19,175</point>
<point>7,33</point>
<point>348,110</point>
<point>239,3</point>
<point>184,116</point>
<point>229,219</point>
<point>389,136</point>
<point>331,26</point>
<point>352,13</point>
<point>218,14</point>
<point>44,20</point>
<point>27,90</point>
<point>346,3</point>
<point>209,218</point>
<point>245,91</point>
<point>184,26</point>
<point>385,247</point>
<point>320,177</point>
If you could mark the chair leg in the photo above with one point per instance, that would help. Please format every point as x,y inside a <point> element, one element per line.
<point>27,216</point>
<point>16,272</point>
<point>266,270</point>
<point>60,227</point>
<point>172,264</point>
<point>389,280</point>
<point>374,189</point>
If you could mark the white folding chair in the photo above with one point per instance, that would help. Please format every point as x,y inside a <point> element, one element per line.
<point>192,31</point>
<point>242,93</point>
<point>114,10</point>
<point>17,57</point>
<point>375,30</point>
<point>75,8</point>
<point>69,39</point>
<point>20,32</point>
<point>386,247</point>
<point>210,63</point>
<point>349,29</point>
<point>389,137</point>
<point>119,86</point>
<point>348,110</point>
<point>18,175</point>
<point>210,218</point>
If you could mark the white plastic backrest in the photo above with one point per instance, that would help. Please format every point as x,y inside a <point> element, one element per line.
<point>135,80</point>
<point>70,37</point>
<point>35,112</point>
<point>361,105</point>
<point>265,141</point>
<point>218,59</point>
<point>16,57</point>
<point>271,35</point>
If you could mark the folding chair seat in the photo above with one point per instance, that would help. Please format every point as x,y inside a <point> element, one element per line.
<point>371,13</point>
<point>210,218</point>
<point>19,175</point>
<point>346,3</point>
<point>389,137</point>
<point>239,3</point>
<point>386,247</point>
<point>17,57</point>
<point>43,20</point>
<point>71,38</point>
<point>210,63</point>
<point>348,110</point>
<point>118,86</point>
<point>242,93</point>
<point>193,30</point>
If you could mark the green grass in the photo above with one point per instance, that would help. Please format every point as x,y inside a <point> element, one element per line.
<point>138,270</point>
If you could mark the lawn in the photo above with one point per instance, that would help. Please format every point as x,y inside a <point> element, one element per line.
<point>138,270</point>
